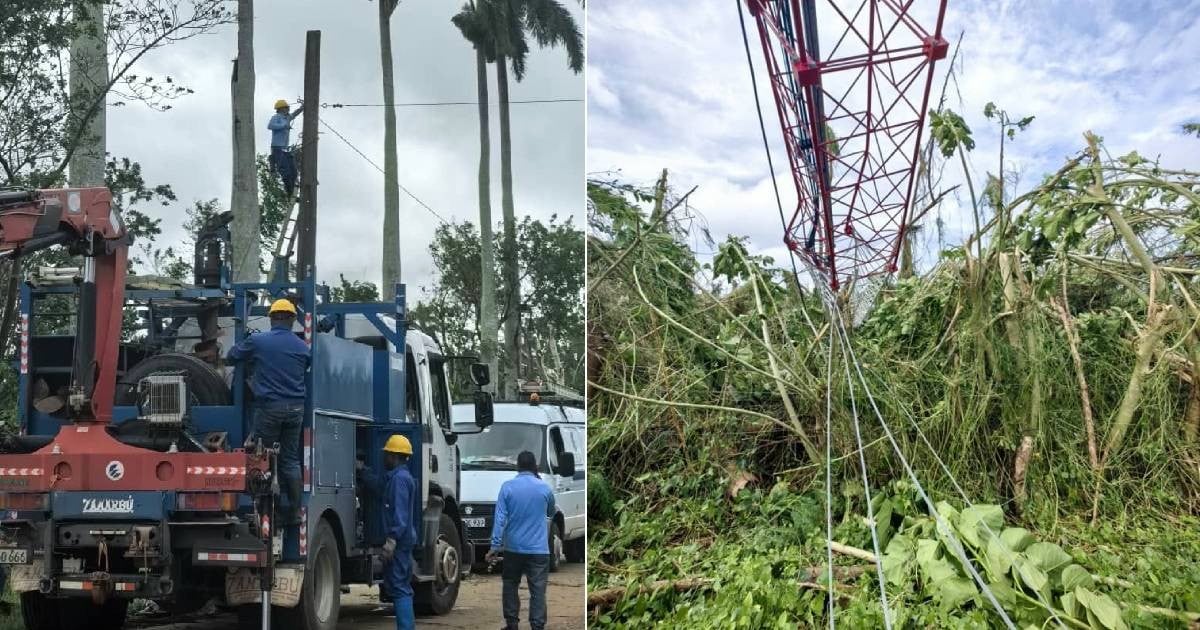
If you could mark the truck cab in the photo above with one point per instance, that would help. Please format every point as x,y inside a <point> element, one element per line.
<point>554,431</point>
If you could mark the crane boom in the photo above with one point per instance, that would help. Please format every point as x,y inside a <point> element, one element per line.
<point>852,121</point>
<point>83,220</point>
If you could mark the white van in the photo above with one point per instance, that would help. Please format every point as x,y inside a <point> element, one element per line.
<point>557,434</point>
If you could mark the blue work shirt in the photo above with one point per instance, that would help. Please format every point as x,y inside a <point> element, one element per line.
<point>280,362</point>
<point>524,504</point>
<point>398,508</point>
<point>281,128</point>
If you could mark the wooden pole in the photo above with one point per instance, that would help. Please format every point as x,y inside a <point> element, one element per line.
<point>308,177</point>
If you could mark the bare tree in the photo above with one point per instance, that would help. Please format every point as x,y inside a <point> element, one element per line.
<point>391,185</point>
<point>244,198</point>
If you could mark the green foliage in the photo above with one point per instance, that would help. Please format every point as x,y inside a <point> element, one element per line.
<point>696,483</point>
<point>551,310</point>
<point>950,132</point>
<point>354,291</point>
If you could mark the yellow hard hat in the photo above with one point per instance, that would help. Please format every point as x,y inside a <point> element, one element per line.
<point>398,444</point>
<point>282,305</point>
<point>281,104</point>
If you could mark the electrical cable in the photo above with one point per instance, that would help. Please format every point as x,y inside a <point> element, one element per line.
<point>829,481</point>
<point>447,103</point>
<point>944,527</point>
<point>380,169</point>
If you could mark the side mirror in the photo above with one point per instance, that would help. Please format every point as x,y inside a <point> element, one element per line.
<point>480,374</point>
<point>566,465</point>
<point>483,408</point>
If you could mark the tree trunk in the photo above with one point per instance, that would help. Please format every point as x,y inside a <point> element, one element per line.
<point>509,248</point>
<point>89,77</point>
<point>489,327</point>
<point>244,199</point>
<point>391,186</point>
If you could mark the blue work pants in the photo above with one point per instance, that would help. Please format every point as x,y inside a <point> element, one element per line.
<point>282,162</point>
<point>280,422</point>
<point>397,579</point>
<point>536,568</point>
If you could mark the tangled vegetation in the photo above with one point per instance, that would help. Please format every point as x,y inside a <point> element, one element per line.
<point>1043,380</point>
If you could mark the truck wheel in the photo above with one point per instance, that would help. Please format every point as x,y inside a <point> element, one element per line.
<point>82,614</point>
<point>556,545</point>
<point>321,594</point>
<point>438,597</point>
<point>37,612</point>
<point>577,549</point>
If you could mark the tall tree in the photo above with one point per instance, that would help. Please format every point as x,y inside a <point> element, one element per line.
<point>550,24</point>
<point>391,185</point>
<point>474,24</point>
<point>244,198</point>
<point>89,77</point>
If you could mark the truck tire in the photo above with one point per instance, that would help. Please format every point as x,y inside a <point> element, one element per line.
<point>556,545</point>
<point>321,594</point>
<point>577,549</point>
<point>438,597</point>
<point>37,612</point>
<point>40,613</point>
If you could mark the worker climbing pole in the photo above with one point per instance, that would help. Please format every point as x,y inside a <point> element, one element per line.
<point>851,81</point>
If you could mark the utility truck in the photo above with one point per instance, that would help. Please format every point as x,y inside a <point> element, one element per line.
<point>130,476</point>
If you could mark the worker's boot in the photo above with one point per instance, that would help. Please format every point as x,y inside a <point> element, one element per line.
<point>292,487</point>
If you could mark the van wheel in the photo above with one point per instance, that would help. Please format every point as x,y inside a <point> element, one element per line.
<point>577,549</point>
<point>556,545</point>
<point>438,597</point>
<point>321,593</point>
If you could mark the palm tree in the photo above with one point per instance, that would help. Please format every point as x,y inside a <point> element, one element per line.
<point>391,184</point>
<point>513,22</point>
<point>474,24</point>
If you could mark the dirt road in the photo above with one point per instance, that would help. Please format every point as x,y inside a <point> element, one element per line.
<point>478,607</point>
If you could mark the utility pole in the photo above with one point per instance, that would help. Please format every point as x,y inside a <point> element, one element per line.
<point>307,226</point>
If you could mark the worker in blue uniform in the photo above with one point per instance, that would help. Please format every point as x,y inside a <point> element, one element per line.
<point>280,360</point>
<point>521,531</point>
<point>281,154</point>
<point>401,533</point>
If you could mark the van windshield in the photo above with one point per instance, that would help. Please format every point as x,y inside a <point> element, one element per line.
<point>498,446</point>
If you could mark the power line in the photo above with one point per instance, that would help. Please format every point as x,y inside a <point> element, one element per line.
<point>447,103</point>
<point>380,169</point>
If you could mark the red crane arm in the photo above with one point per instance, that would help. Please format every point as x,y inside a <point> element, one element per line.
<point>83,220</point>
<point>852,121</point>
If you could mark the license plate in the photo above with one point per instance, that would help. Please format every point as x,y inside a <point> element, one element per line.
<point>478,522</point>
<point>14,556</point>
<point>243,587</point>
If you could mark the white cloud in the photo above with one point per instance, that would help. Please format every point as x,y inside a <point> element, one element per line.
<point>678,70</point>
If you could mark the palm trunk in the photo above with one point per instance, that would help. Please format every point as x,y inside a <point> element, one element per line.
<point>509,249</point>
<point>391,186</point>
<point>89,76</point>
<point>244,198</point>
<point>489,328</point>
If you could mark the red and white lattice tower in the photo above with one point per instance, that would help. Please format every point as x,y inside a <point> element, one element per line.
<point>851,81</point>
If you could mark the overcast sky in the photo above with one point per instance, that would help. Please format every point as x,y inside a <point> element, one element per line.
<point>668,87</point>
<point>189,146</point>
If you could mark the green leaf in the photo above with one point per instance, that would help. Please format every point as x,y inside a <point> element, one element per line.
<point>1017,538</point>
<point>1074,575</point>
<point>952,592</point>
<point>999,556</point>
<point>1071,605</point>
<point>1106,611</point>
<point>1047,556</point>
<point>1031,576</point>
<point>972,519</point>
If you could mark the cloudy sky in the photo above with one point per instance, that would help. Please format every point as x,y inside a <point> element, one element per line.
<point>668,87</point>
<point>189,146</point>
